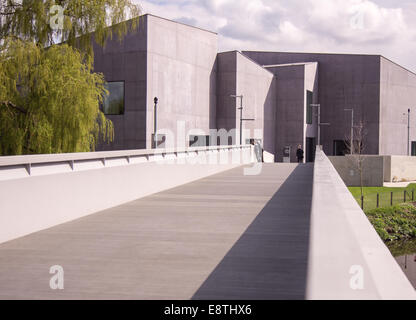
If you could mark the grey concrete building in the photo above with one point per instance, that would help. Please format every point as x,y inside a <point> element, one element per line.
<point>198,91</point>
<point>163,59</point>
<point>380,92</point>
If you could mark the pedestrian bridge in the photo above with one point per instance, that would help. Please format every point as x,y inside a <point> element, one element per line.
<point>200,223</point>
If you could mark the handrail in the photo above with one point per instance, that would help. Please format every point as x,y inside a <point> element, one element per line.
<point>6,161</point>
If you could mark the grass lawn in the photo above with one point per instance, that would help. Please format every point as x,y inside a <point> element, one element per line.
<point>394,223</point>
<point>370,195</point>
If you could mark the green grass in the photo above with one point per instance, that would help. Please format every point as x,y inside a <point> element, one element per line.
<point>370,195</point>
<point>401,248</point>
<point>394,223</point>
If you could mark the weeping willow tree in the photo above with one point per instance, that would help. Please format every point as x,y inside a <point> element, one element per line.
<point>49,94</point>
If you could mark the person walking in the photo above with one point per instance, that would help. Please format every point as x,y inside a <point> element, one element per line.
<point>299,154</point>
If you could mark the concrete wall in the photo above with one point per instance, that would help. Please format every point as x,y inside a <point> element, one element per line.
<point>347,168</point>
<point>181,72</point>
<point>258,87</point>
<point>311,84</point>
<point>127,61</point>
<point>376,169</point>
<point>345,247</point>
<point>238,75</point>
<point>345,81</point>
<point>290,118</point>
<point>38,192</point>
<point>168,60</point>
<point>399,168</point>
<point>398,94</point>
<point>226,86</point>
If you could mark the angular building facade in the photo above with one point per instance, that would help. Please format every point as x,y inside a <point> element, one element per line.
<point>199,92</point>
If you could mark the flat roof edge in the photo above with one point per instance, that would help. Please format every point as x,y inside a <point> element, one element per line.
<point>178,22</point>
<point>400,66</point>
<point>289,64</point>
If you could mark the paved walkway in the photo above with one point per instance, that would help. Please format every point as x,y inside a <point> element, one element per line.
<point>398,184</point>
<point>226,236</point>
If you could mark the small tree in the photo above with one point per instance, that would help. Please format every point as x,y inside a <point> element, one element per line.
<point>356,150</point>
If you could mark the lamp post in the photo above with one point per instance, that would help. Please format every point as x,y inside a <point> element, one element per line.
<point>408,131</point>
<point>241,116</point>
<point>156,100</point>
<point>318,105</point>
<point>352,130</point>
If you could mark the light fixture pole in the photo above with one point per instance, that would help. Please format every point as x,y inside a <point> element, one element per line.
<point>318,105</point>
<point>408,132</point>
<point>155,122</point>
<point>352,130</point>
<point>241,116</point>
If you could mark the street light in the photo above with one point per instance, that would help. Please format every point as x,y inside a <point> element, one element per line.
<point>318,105</point>
<point>155,122</point>
<point>408,131</point>
<point>352,130</point>
<point>241,116</point>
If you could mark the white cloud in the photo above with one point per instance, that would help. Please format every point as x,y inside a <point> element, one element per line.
<point>384,27</point>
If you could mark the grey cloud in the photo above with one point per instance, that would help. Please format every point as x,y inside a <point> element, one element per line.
<point>239,25</point>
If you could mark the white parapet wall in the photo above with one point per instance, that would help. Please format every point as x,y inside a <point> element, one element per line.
<point>42,191</point>
<point>399,168</point>
<point>347,258</point>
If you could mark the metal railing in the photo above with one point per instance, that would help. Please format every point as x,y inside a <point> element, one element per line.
<point>386,199</point>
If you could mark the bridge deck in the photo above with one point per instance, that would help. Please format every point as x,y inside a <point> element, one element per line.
<point>226,236</point>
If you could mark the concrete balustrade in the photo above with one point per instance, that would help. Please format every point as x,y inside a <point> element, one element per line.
<point>347,258</point>
<point>41,191</point>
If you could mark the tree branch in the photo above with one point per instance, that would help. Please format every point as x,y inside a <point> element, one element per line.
<point>10,104</point>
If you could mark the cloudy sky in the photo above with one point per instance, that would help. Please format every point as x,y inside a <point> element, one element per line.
<point>386,27</point>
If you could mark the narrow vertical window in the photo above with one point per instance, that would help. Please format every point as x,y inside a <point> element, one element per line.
<point>114,102</point>
<point>309,99</point>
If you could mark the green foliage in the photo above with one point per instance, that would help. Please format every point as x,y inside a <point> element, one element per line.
<point>49,100</point>
<point>400,248</point>
<point>49,96</point>
<point>30,20</point>
<point>394,223</point>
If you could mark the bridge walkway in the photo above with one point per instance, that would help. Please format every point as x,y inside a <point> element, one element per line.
<point>228,236</point>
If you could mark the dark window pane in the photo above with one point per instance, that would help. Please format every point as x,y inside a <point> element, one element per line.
<point>199,141</point>
<point>340,148</point>
<point>309,96</point>
<point>114,102</point>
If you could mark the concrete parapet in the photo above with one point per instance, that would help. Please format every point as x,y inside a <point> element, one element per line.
<point>41,191</point>
<point>347,258</point>
<point>372,170</point>
<point>399,168</point>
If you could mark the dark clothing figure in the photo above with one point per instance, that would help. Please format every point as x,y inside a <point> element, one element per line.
<point>299,155</point>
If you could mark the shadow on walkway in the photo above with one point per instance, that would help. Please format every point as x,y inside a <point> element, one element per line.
<point>270,260</point>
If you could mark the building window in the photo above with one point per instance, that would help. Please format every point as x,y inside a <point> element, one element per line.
<point>309,101</point>
<point>199,141</point>
<point>413,148</point>
<point>340,148</point>
<point>114,102</point>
